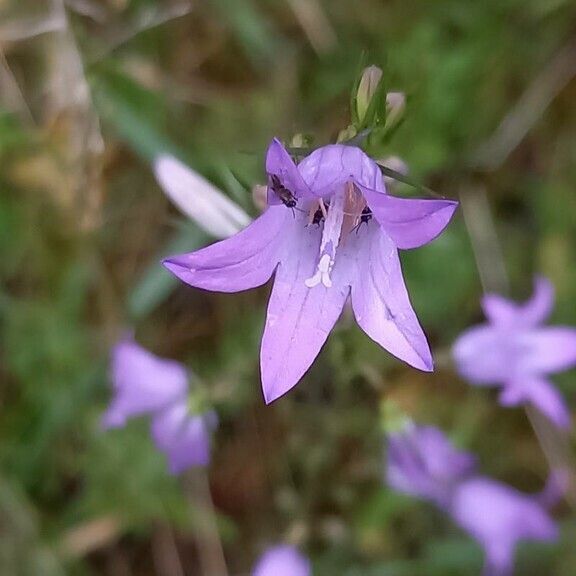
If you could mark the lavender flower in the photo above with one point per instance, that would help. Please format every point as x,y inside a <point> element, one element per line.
<point>515,352</point>
<point>423,463</point>
<point>497,517</point>
<point>330,232</point>
<point>147,385</point>
<point>282,561</point>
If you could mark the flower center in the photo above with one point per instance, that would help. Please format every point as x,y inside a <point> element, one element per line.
<point>344,213</point>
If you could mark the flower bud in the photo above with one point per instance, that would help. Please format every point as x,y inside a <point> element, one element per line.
<point>367,87</point>
<point>395,106</point>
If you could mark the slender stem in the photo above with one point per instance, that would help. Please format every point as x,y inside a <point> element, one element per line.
<point>210,550</point>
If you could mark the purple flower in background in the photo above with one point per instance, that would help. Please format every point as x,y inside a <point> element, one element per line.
<point>498,516</point>
<point>423,463</point>
<point>330,231</point>
<point>515,352</point>
<point>282,561</point>
<point>147,385</point>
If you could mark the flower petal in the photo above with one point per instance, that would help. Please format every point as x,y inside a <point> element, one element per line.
<point>299,318</point>
<point>185,439</point>
<point>499,310</point>
<point>280,163</point>
<point>539,307</point>
<point>549,350</point>
<point>485,355</point>
<point>143,383</point>
<point>409,222</point>
<point>331,166</point>
<point>503,312</point>
<point>244,261</point>
<point>498,516</point>
<point>541,393</point>
<point>282,561</point>
<point>381,303</point>
<point>424,463</point>
<point>199,199</point>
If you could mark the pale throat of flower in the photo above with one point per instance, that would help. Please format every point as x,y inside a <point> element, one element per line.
<point>342,215</point>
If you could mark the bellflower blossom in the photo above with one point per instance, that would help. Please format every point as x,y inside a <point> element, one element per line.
<point>330,231</point>
<point>514,351</point>
<point>282,560</point>
<point>145,384</point>
<point>423,463</point>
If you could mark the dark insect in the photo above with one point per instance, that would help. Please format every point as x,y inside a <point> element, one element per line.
<point>318,217</point>
<point>287,197</point>
<point>365,217</point>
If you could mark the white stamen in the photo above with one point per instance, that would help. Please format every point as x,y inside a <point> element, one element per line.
<point>330,240</point>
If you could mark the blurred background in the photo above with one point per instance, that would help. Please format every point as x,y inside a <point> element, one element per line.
<point>90,92</point>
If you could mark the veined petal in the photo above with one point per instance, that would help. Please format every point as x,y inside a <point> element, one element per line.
<point>332,166</point>
<point>381,303</point>
<point>143,383</point>
<point>184,438</point>
<point>280,163</point>
<point>549,350</point>
<point>541,393</point>
<point>299,318</point>
<point>409,222</point>
<point>199,199</point>
<point>243,261</point>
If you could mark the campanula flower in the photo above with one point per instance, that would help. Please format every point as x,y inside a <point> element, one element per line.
<point>330,232</point>
<point>147,385</point>
<point>514,351</point>
<point>422,462</point>
<point>498,517</point>
<point>199,199</point>
<point>282,560</point>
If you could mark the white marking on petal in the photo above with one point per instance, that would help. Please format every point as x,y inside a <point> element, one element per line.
<point>322,273</point>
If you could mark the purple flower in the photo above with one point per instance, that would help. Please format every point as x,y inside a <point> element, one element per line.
<point>145,384</point>
<point>423,463</point>
<point>497,517</point>
<point>515,352</point>
<point>282,561</point>
<point>330,231</point>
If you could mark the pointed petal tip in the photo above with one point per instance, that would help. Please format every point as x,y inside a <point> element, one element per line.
<point>272,392</point>
<point>425,363</point>
<point>172,265</point>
